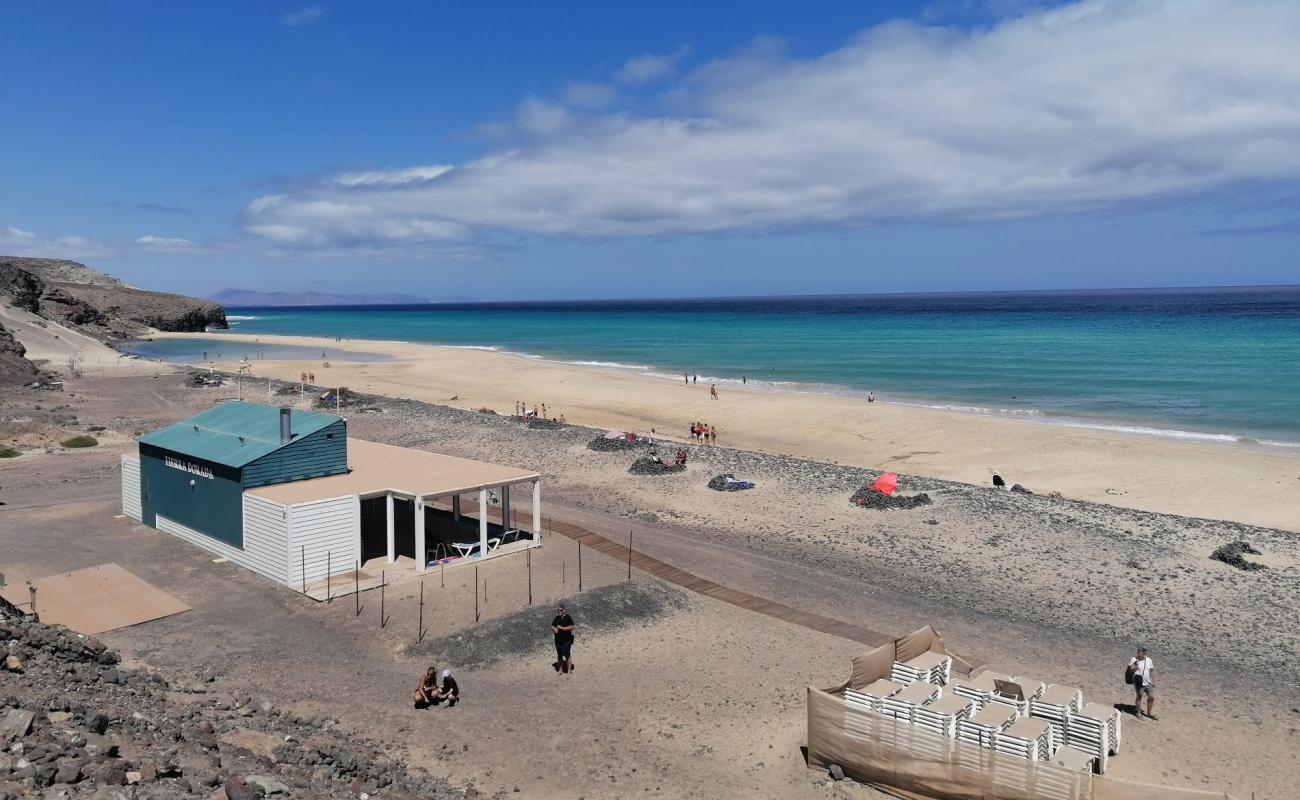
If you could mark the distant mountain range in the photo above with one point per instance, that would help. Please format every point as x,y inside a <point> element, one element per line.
<point>251,297</point>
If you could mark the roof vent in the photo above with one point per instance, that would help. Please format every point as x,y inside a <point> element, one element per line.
<point>286,432</point>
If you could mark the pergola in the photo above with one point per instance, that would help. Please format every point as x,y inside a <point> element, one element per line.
<point>379,470</point>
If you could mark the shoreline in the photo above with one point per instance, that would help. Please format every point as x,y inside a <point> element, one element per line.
<point>1148,472</point>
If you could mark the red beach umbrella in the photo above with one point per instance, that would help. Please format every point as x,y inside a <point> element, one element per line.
<point>886,484</point>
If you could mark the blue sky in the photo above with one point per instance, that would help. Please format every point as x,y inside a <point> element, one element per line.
<point>569,150</point>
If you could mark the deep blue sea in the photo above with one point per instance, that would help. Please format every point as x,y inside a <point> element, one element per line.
<point>1218,364</point>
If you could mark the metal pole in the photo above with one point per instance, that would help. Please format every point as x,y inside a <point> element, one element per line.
<point>629,554</point>
<point>35,616</point>
<point>476,592</point>
<point>529,554</point>
<point>419,628</point>
<point>579,566</point>
<point>442,574</point>
<point>356,586</point>
<point>383,582</point>
<point>564,566</point>
<point>327,577</point>
<point>302,564</point>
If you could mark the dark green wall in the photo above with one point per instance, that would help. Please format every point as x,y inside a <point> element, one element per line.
<point>213,506</point>
<point>324,452</point>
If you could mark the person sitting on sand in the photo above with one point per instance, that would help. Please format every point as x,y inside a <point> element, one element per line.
<point>681,457</point>
<point>424,694</point>
<point>450,691</point>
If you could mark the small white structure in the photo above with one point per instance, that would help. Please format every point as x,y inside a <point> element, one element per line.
<point>396,511</point>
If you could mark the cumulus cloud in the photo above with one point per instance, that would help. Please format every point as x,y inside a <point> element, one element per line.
<point>589,95</point>
<point>1086,106</point>
<point>19,242</point>
<point>306,15</point>
<point>652,67</point>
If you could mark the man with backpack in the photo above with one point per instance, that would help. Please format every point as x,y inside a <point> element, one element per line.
<point>1141,673</point>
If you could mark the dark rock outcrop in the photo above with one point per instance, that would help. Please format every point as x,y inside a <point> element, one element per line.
<point>98,304</point>
<point>14,367</point>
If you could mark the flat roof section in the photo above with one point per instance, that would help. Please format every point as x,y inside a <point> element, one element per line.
<point>96,599</point>
<point>374,468</point>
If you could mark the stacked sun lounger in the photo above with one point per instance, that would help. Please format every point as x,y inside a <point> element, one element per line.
<point>1027,738</point>
<point>903,703</point>
<point>942,715</point>
<point>1095,731</point>
<point>979,688</point>
<point>1031,690</point>
<point>869,697</point>
<point>1062,777</point>
<point>983,727</point>
<point>929,667</point>
<point>1073,759</point>
<point>1055,706</point>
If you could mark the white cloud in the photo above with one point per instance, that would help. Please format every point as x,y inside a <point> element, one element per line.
<point>589,95</point>
<point>163,244</point>
<point>19,242</point>
<point>1081,107</point>
<point>647,68</point>
<point>306,15</point>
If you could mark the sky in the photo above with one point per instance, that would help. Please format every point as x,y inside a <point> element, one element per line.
<point>507,151</point>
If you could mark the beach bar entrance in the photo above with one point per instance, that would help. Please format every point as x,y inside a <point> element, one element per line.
<point>373,513</point>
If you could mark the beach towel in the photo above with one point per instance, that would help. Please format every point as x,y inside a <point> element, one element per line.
<point>886,484</point>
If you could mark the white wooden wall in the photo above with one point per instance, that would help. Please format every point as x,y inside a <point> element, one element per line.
<point>131,486</point>
<point>323,533</point>
<point>264,539</point>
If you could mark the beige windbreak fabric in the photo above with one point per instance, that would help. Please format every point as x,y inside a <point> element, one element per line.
<point>911,762</point>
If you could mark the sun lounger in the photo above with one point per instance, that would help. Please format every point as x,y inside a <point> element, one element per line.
<point>1055,706</point>
<point>978,688</point>
<point>1027,738</point>
<point>929,667</point>
<point>942,715</point>
<point>1073,759</point>
<point>1017,693</point>
<point>983,728</point>
<point>869,697</point>
<point>1094,730</point>
<point>901,704</point>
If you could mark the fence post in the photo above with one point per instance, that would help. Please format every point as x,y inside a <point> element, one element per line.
<point>383,583</point>
<point>442,574</point>
<point>629,554</point>
<point>35,616</point>
<point>419,626</point>
<point>564,567</point>
<point>302,564</point>
<point>356,586</point>
<point>529,555</point>
<point>580,567</point>
<point>485,600</point>
<point>328,599</point>
<point>476,592</point>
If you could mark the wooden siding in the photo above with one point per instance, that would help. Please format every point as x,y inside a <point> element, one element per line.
<point>131,486</point>
<point>201,495</point>
<point>262,552</point>
<point>324,452</point>
<point>323,534</point>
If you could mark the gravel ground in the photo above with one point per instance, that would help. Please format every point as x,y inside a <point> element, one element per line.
<point>601,610</point>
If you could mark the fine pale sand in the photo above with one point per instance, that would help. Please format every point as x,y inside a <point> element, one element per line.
<point>1243,483</point>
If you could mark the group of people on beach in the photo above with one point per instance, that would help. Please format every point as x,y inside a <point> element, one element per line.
<point>705,434</point>
<point>307,377</point>
<point>536,412</point>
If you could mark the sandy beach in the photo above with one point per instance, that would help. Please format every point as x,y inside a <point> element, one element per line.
<point>1240,482</point>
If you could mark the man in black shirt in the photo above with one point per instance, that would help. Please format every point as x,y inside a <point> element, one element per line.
<point>449,692</point>
<point>562,626</point>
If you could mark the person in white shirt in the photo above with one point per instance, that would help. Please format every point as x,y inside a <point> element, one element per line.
<point>1143,671</point>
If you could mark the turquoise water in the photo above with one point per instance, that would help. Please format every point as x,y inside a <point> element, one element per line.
<point>1214,364</point>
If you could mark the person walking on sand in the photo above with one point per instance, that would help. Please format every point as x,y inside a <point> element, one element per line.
<point>695,378</point>
<point>1142,671</point>
<point>562,626</point>
<point>713,391</point>
<point>686,376</point>
<point>713,435</point>
<point>871,397</point>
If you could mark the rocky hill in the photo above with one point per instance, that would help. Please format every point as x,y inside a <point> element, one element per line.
<point>98,304</point>
<point>14,366</point>
<point>76,723</point>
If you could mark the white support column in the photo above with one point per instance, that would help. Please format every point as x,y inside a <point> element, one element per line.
<point>482,523</point>
<point>537,512</point>
<point>392,528</point>
<point>420,556</point>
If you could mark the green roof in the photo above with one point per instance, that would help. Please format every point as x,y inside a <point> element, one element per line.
<point>235,433</point>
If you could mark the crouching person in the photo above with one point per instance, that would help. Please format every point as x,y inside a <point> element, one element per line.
<point>449,692</point>
<point>426,693</point>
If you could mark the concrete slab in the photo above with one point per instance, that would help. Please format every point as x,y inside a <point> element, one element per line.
<point>95,599</point>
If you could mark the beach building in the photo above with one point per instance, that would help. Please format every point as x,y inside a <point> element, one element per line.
<point>287,494</point>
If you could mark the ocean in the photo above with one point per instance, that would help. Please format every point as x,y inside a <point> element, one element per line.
<point>1209,364</point>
